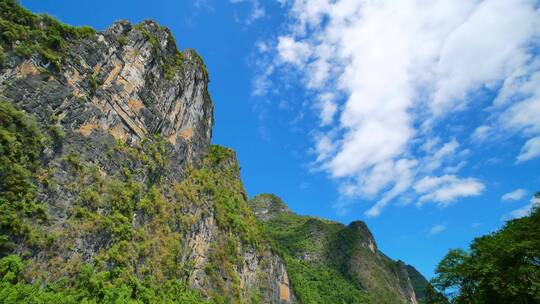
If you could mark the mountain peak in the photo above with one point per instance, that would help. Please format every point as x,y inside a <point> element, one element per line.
<point>360,233</point>
<point>267,205</point>
<point>129,81</point>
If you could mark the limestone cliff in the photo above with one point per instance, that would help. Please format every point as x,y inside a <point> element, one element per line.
<point>121,177</point>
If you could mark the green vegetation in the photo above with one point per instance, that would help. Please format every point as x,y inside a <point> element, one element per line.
<point>201,64</point>
<point>116,229</point>
<point>92,82</point>
<point>139,256</point>
<point>21,143</point>
<point>503,267</point>
<point>288,232</point>
<point>328,262</point>
<point>2,56</point>
<point>321,284</point>
<point>27,34</point>
<point>149,36</point>
<point>420,285</point>
<point>170,64</point>
<point>316,281</point>
<point>383,278</point>
<point>90,286</point>
<point>220,177</point>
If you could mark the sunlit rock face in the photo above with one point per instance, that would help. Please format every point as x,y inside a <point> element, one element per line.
<point>128,177</point>
<point>129,81</point>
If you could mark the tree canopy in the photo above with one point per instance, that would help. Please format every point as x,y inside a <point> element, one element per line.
<point>502,267</point>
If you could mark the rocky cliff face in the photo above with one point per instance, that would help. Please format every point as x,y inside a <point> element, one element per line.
<point>121,175</point>
<point>349,251</point>
<point>129,81</point>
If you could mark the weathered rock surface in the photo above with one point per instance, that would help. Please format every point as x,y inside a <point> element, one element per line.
<point>126,180</point>
<point>129,81</point>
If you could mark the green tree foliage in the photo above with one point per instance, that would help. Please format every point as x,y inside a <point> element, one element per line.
<point>320,284</point>
<point>314,282</point>
<point>26,34</point>
<point>138,264</point>
<point>90,287</point>
<point>503,267</point>
<point>21,143</point>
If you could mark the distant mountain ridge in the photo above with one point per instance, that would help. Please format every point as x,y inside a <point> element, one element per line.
<point>348,251</point>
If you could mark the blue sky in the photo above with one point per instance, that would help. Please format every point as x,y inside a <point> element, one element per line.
<point>422,120</point>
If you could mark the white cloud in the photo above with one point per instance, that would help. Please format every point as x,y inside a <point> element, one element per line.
<point>530,150</point>
<point>523,211</point>
<point>262,46</point>
<point>203,5</point>
<point>403,67</point>
<point>257,11</point>
<point>519,100</point>
<point>435,160</point>
<point>262,83</point>
<point>324,146</point>
<point>292,51</point>
<point>437,229</point>
<point>429,145</point>
<point>481,133</point>
<point>515,195</point>
<point>327,108</point>
<point>404,176</point>
<point>485,48</point>
<point>446,189</point>
<point>454,169</point>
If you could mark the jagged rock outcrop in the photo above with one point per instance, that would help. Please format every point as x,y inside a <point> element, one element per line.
<point>129,81</point>
<point>419,283</point>
<point>386,280</point>
<point>350,251</point>
<point>124,177</point>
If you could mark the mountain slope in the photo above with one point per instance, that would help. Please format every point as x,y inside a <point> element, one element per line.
<point>349,252</point>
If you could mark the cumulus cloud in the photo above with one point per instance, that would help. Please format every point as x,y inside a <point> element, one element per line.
<point>437,229</point>
<point>292,51</point>
<point>402,67</point>
<point>404,176</point>
<point>519,105</point>
<point>445,189</point>
<point>515,195</point>
<point>327,108</point>
<point>487,46</point>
